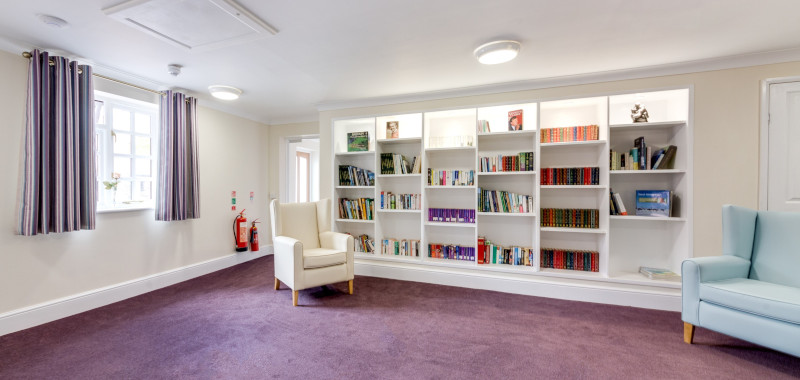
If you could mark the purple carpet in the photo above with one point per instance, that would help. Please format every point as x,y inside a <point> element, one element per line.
<point>232,324</point>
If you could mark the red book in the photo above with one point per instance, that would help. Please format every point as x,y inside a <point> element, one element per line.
<point>481,248</point>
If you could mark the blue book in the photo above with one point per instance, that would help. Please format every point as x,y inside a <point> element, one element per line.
<point>654,203</point>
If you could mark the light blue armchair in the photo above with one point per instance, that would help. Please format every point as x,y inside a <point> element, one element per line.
<point>752,291</point>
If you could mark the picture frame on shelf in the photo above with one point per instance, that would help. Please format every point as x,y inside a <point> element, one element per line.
<point>392,129</point>
<point>358,141</point>
<point>656,203</point>
<point>515,120</point>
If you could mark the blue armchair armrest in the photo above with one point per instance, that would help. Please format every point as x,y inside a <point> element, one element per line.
<point>705,269</point>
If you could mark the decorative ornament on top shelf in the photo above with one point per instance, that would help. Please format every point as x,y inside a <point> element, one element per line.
<point>639,113</point>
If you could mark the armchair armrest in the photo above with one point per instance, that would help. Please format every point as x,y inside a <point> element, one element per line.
<point>288,259</point>
<point>336,240</point>
<point>705,269</point>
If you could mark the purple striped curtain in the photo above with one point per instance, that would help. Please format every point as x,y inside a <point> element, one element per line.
<point>178,186</point>
<point>59,188</point>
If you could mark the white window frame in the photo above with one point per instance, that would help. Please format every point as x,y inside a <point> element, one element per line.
<point>105,146</point>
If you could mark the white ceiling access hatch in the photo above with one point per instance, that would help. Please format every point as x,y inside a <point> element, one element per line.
<point>197,25</point>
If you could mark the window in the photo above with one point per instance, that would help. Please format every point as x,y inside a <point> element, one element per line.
<point>126,136</point>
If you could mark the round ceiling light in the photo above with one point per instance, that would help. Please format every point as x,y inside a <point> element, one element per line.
<point>53,21</point>
<point>224,92</point>
<point>497,52</point>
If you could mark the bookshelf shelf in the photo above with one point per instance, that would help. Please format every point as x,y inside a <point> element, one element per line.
<point>450,224</point>
<point>529,172</point>
<point>448,140</point>
<point>355,221</point>
<point>646,218</point>
<point>518,214</point>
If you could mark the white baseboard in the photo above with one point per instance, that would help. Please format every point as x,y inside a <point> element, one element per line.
<point>568,289</point>
<point>35,315</point>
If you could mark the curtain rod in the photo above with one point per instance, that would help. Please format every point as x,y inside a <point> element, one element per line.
<point>28,55</point>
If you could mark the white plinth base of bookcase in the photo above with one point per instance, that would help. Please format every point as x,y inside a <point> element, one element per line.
<point>540,285</point>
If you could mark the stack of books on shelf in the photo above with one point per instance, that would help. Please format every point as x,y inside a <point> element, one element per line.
<point>445,177</point>
<point>570,176</point>
<point>393,163</point>
<point>616,204</point>
<point>522,162</point>
<point>504,201</point>
<point>451,215</point>
<point>659,274</point>
<point>570,134</point>
<point>570,218</point>
<point>483,126</point>
<point>491,253</point>
<point>354,176</point>
<point>361,208</point>
<point>451,252</point>
<point>569,259</point>
<point>391,201</point>
<point>643,157</point>
<point>364,244</point>
<point>402,247</point>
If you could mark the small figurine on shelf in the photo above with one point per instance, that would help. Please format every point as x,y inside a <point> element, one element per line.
<point>639,113</point>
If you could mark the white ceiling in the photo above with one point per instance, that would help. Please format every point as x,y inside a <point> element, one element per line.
<point>335,51</point>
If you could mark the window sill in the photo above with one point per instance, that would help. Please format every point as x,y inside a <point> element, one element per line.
<point>125,209</point>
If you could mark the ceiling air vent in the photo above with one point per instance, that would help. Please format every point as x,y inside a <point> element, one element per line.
<point>197,25</point>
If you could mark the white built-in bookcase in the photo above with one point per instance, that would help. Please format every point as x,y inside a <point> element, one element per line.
<point>449,139</point>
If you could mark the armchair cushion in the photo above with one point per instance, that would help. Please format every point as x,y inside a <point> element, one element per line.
<point>299,220</point>
<point>755,297</point>
<point>776,249</point>
<point>323,257</point>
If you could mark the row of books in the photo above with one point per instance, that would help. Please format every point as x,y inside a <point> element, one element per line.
<point>663,158</point>
<point>451,252</point>
<point>451,215</point>
<point>390,201</point>
<point>350,175</point>
<point>401,247</point>
<point>504,201</point>
<point>568,134</point>
<point>438,177</point>
<point>364,244</point>
<point>570,217</point>
<point>616,204</point>
<point>360,208</point>
<point>483,126</point>
<point>521,162</point>
<point>587,261</point>
<point>393,163</point>
<point>570,176</point>
<point>491,253</point>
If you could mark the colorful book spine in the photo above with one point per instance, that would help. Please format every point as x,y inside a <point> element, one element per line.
<point>570,218</point>
<point>446,177</point>
<point>570,176</point>
<point>390,201</point>
<point>364,244</point>
<point>522,162</point>
<point>354,176</point>
<point>451,215</point>
<point>587,261</point>
<point>360,208</point>
<point>492,253</point>
<point>451,252</point>
<point>570,134</point>
<point>403,247</point>
<point>504,201</point>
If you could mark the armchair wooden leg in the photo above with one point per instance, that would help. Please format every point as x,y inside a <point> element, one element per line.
<point>688,332</point>
<point>295,294</point>
<point>350,286</point>
<point>277,284</point>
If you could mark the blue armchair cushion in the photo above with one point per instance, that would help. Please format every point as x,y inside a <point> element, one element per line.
<point>756,297</point>
<point>776,248</point>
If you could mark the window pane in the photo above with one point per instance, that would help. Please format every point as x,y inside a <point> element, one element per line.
<point>122,165</point>
<point>143,166</point>
<point>123,191</point>
<point>142,123</point>
<point>99,112</point>
<point>122,120</point>
<point>122,143</point>
<point>142,146</point>
<point>143,190</point>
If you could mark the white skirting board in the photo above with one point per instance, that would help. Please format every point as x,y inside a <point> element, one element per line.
<point>35,315</point>
<point>541,286</point>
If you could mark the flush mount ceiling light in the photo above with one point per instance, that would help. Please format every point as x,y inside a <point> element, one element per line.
<point>497,52</point>
<point>53,21</point>
<point>224,92</point>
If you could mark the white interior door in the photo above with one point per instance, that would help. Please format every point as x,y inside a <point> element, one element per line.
<point>783,165</point>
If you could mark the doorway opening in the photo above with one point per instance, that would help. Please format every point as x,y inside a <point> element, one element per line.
<point>300,179</point>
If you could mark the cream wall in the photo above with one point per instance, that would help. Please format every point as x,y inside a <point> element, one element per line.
<point>126,245</point>
<point>726,134</point>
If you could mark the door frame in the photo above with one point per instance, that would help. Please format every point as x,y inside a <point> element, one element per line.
<point>283,175</point>
<point>763,156</point>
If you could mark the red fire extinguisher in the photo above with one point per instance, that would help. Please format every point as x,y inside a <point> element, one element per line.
<point>254,236</point>
<point>240,232</point>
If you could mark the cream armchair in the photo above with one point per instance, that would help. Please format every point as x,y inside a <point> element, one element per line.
<point>307,252</point>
